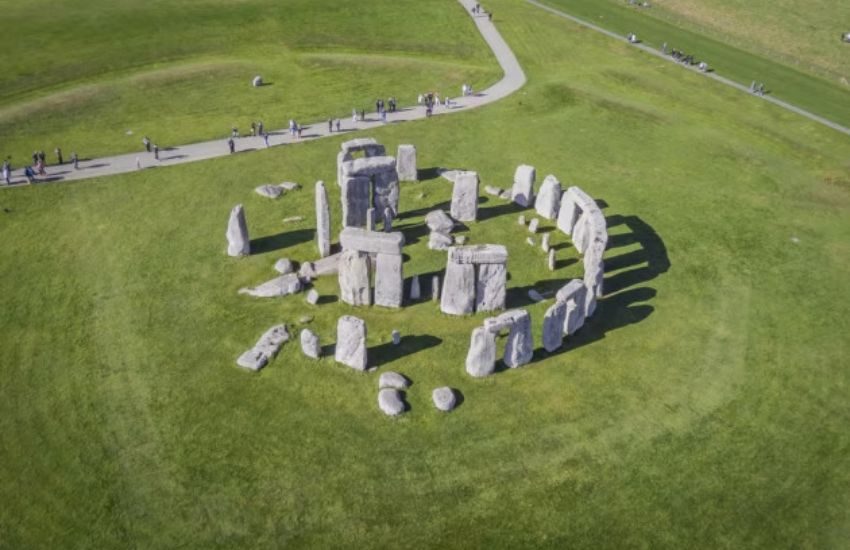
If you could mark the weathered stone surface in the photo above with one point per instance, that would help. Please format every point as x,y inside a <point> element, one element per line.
<point>389,280</point>
<point>266,347</point>
<point>289,186</point>
<point>396,336</point>
<point>535,296</point>
<point>393,380</point>
<point>323,220</point>
<point>313,297</point>
<point>387,191</point>
<point>519,347</point>
<point>464,205</point>
<point>533,224</point>
<point>548,201</point>
<point>582,199</point>
<point>439,222</point>
<point>275,288</point>
<point>354,278</point>
<point>371,215</point>
<point>369,146</point>
<point>589,303</point>
<point>388,219</point>
<point>351,342</point>
<point>479,254</point>
<point>492,190</point>
<point>481,357</point>
<point>460,239</point>
<point>355,195</point>
<point>310,344</point>
<point>544,241</point>
<point>369,166</point>
<point>284,266</point>
<point>323,266</point>
<point>406,163</point>
<point>444,398</point>
<point>568,214</point>
<point>353,238</point>
<point>458,297</point>
<point>573,294</point>
<point>238,243</point>
<point>415,290</point>
<point>550,263</point>
<point>439,241</point>
<point>390,402</point>
<point>553,326</point>
<point>594,275</point>
<point>449,174</point>
<point>435,288</point>
<point>503,321</point>
<point>269,191</point>
<point>490,287</point>
<point>522,191</point>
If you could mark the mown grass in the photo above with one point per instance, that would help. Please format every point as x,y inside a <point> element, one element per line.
<point>704,406</point>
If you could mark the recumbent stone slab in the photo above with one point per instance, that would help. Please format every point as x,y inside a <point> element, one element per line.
<point>390,402</point>
<point>362,240</point>
<point>265,349</point>
<point>275,288</point>
<point>444,398</point>
<point>438,221</point>
<point>310,344</point>
<point>393,380</point>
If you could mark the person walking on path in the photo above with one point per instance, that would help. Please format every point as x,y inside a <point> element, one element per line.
<point>266,140</point>
<point>39,168</point>
<point>138,163</point>
<point>354,116</point>
<point>7,172</point>
<point>337,125</point>
<point>29,174</point>
<point>42,157</point>
<point>76,160</point>
<point>146,141</point>
<point>156,151</point>
<point>231,145</point>
<point>299,128</point>
<point>260,128</point>
<point>330,126</point>
<point>58,152</point>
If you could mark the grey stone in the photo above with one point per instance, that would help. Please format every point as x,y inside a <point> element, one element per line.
<point>289,186</point>
<point>574,294</point>
<point>369,146</point>
<point>589,303</point>
<point>238,243</point>
<point>355,201</point>
<point>491,190</point>
<point>351,342</point>
<point>458,296</point>
<point>390,402</point>
<point>568,213</point>
<point>553,326</point>
<point>594,275</point>
<point>529,241</point>
<point>415,290</point>
<point>435,288</point>
<point>535,296</point>
<point>323,220</point>
<point>322,266</point>
<point>310,344</point>
<point>521,219</point>
<point>370,219</point>
<point>406,163</point>
<point>532,225</point>
<point>522,191</point>
<point>305,319</point>
<point>353,238</point>
<point>439,241</point>
<point>481,357</point>
<point>354,278</point>
<point>479,254</point>
<point>544,242</point>
<point>388,219</point>
<point>449,174</point>
<point>275,288</point>
<point>313,297</point>
<point>369,166</point>
<point>444,398</point>
<point>519,347</point>
<point>387,191</point>
<point>265,349</point>
<point>464,206</point>
<point>548,201</point>
<point>550,263</point>
<point>439,222</point>
<point>503,321</point>
<point>505,195</point>
<point>389,280</point>
<point>284,266</point>
<point>396,335</point>
<point>393,380</point>
<point>269,191</point>
<point>490,287</point>
<point>460,239</point>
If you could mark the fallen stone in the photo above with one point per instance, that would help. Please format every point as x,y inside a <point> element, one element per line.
<point>265,349</point>
<point>323,266</point>
<point>415,290</point>
<point>389,280</point>
<point>351,342</point>
<point>464,205</point>
<point>390,402</point>
<point>396,336</point>
<point>553,326</point>
<point>444,398</point>
<point>361,240</point>
<point>270,191</point>
<point>323,220</point>
<point>479,254</point>
<point>492,190</point>
<point>406,163</point>
<point>460,239</point>
<point>519,347</point>
<point>439,241</point>
<point>293,219</point>
<point>521,219</point>
<point>257,81</point>
<point>393,380</point>
<point>275,288</point>
<point>284,266</point>
<point>490,287</point>
<point>535,296</point>
<point>354,278</point>
<point>458,296</point>
<point>439,222</point>
<point>544,242</point>
<point>481,357</point>
<point>548,201</point>
<point>313,297</point>
<point>522,191</point>
<point>532,225</point>
<point>289,186</point>
<point>238,243</point>
<point>310,344</point>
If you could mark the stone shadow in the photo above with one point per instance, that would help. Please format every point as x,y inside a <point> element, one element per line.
<point>499,210</point>
<point>389,352</point>
<point>286,239</point>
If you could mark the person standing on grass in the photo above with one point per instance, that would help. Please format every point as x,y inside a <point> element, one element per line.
<point>76,160</point>
<point>156,151</point>
<point>260,128</point>
<point>330,126</point>
<point>58,152</point>
<point>7,172</point>
<point>146,141</point>
<point>39,168</point>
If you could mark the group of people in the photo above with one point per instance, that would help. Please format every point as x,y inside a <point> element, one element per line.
<point>476,10</point>
<point>757,88</point>
<point>38,167</point>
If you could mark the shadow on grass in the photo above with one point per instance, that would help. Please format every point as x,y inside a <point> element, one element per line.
<point>389,352</point>
<point>281,240</point>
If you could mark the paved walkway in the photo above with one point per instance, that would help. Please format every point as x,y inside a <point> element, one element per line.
<point>712,75</point>
<point>513,80</point>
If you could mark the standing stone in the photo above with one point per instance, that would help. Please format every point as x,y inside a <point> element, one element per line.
<point>351,342</point>
<point>490,287</point>
<point>386,191</point>
<point>238,243</point>
<point>574,294</point>
<point>481,358</point>
<point>444,398</point>
<point>544,242</point>
<point>396,336</point>
<point>532,225</point>
<point>415,291</point>
<point>458,297</point>
<point>465,197</point>
<point>323,220</point>
<point>313,297</point>
<point>354,278</point>
<point>406,163</point>
<point>435,288</point>
<point>522,191</point>
<point>389,280</point>
<point>551,262</point>
<point>548,201</point>
<point>370,219</point>
<point>553,326</point>
<point>520,345</point>
<point>355,201</point>
<point>388,219</point>
<point>568,213</point>
<point>310,343</point>
<point>589,303</point>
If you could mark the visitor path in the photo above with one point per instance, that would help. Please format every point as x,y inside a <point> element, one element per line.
<point>712,75</point>
<point>513,80</point>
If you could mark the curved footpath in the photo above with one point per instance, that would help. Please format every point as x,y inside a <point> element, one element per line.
<point>513,80</point>
<point>712,75</point>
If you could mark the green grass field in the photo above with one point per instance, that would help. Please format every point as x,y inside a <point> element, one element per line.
<point>704,406</point>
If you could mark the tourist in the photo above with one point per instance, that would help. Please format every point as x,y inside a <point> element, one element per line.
<point>234,133</point>
<point>29,174</point>
<point>39,168</point>
<point>75,159</point>
<point>7,172</point>
<point>363,114</point>
<point>260,128</point>
<point>138,163</point>
<point>384,117</point>
<point>266,140</point>
<point>156,151</point>
<point>330,126</point>
<point>354,115</point>
<point>231,145</point>
<point>58,152</point>
<point>338,122</point>
<point>253,129</point>
<point>299,129</point>
<point>42,157</point>
<point>147,143</point>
